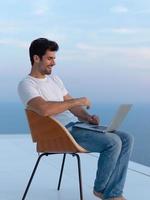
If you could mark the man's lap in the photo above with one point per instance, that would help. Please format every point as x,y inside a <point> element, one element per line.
<point>96,141</point>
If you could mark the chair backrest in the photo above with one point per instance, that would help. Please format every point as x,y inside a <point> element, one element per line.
<point>50,135</point>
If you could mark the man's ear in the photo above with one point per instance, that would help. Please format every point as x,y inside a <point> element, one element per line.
<point>36,59</point>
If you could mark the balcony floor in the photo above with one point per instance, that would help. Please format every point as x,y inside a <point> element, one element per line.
<point>18,158</point>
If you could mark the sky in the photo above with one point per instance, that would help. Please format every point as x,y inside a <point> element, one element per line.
<point>104,46</point>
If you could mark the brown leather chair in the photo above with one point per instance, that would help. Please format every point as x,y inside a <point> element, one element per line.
<point>51,137</point>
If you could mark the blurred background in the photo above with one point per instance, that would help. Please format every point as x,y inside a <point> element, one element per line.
<point>104,55</point>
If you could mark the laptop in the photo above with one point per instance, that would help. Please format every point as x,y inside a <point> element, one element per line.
<point>113,125</point>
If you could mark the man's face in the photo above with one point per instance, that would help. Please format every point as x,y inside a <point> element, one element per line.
<point>47,62</point>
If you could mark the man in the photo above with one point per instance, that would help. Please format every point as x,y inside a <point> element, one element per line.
<point>45,94</point>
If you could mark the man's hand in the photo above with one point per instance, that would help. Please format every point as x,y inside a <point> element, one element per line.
<point>93,119</point>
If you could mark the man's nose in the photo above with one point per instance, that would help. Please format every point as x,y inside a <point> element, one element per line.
<point>53,62</point>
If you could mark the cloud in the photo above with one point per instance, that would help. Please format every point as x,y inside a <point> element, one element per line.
<point>144,52</point>
<point>119,9</point>
<point>131,57</point>
<point>146,11</point>
<point>9,27</point>
<point>130,30</point>
<point>16,43</point>
<point>55,35</point>
<point>43,7</point>
<point>124,30</point>
<point>123,9</point>
<point>42,10</point>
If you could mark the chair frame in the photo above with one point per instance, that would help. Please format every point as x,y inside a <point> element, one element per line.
<point>69,146</point>
<point>61,173</point>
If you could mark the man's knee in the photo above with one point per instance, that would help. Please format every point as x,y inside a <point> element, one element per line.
<point>130,142</point>
<point>115,142</point>
<point>127,139</point>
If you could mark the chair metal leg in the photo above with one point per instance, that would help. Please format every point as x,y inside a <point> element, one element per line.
<point>61,172</point>
<point>79,173</point>
<point>33,173</point>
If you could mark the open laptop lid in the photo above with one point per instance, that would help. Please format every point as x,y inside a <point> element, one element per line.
<point>119,117</point>
<point>114,124</point>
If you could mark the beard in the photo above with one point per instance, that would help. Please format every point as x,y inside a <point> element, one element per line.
<point>47,70</point>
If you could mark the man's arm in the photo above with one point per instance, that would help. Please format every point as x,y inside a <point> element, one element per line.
<point>81,113</point>
<point>49,108</point>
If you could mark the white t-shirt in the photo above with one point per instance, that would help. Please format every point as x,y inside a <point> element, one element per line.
<point>50,88</point>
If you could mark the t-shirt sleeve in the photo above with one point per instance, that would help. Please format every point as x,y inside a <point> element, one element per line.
<point>60,85</point>
<point>27,91</point>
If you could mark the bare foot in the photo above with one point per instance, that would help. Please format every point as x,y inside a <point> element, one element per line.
<point>98,194</point>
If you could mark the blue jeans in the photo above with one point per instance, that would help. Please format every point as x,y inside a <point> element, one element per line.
<point>115,150</point>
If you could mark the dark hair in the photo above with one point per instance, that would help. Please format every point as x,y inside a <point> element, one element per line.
<point>40,46</point>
